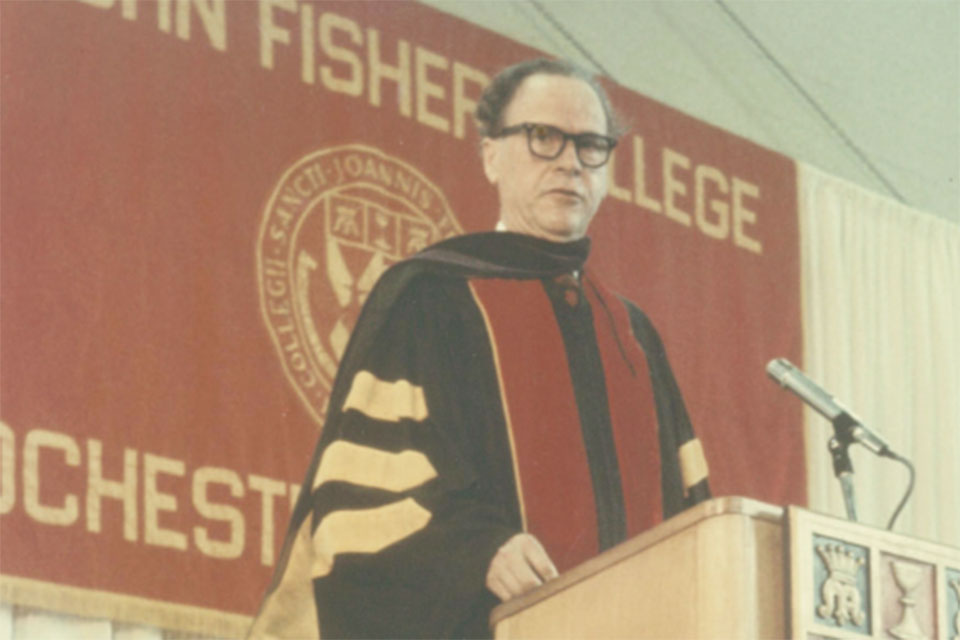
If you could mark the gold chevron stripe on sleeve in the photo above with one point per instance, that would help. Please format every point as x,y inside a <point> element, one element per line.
<point>364,531</point>
<point>357,464</point>
<point>693,464</point>
<point>386,401</point>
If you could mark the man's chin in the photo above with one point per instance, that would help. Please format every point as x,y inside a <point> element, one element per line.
<point>554,225</point>
<point>565,226</point>
<point>563,234</point>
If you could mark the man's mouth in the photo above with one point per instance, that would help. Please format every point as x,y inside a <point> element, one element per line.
<point>568,193</point>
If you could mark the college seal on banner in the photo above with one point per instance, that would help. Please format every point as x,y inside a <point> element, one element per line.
<point>335,221</point>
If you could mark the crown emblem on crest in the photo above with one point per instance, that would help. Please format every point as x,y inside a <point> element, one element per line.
<point>842,563</point>
<point>840,595</point>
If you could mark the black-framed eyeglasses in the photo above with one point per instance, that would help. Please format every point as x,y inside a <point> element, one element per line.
<point>548,142</point>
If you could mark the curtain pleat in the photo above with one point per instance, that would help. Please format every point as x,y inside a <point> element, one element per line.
<point>881,290</point>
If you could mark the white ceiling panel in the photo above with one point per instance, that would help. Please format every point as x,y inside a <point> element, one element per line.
<point>878,101</point>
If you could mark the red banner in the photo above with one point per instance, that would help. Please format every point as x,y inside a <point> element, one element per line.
<point>197,196</point>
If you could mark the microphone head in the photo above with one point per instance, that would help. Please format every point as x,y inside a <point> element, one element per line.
<point>778,369</point>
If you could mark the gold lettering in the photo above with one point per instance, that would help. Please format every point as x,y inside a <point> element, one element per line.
<point>308,60</point>
<point>720,228</point>
<point>742,215</point>
<point>425,89</point>
<point>673,187</point>
<point>425,199</point>
<point>615,190</point>
<point>354,165</point>
<point>307,379</point>
<point>284,215</point>
<point>290,198</point>
<point>353,84</point>
<point>233,547</point>
<point>386,174</point>
<point>404,182</point>
<point>399,74</point>
<point>277,234</point>
<point>8,469</point>
<point>62,515</point>
<point>279,307</point>
<point>268,489</point>
<point>297,361</point>
<point>315,173</point>
<point>288,328</point>
<point>276,287</point>
<point>370,169</point>
<point>155,501</point>
<point>165,15</point>
<point>273,268</point>
<point>640,178</point>
<point>305,191</point>
<point>98,488</point>
<point>128,8</point>
<point>269,31</point>
<point>213,16</point>
<point>462,105</point>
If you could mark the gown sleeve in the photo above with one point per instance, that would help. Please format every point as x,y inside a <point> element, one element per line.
<point>394,532</point>
<point>683,465</point>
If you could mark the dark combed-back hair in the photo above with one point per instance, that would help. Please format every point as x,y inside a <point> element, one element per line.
<point>499,93</point>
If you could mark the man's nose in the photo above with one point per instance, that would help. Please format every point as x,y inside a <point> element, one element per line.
<point>568,159</point>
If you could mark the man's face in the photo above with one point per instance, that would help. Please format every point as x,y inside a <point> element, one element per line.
<point>551,199</point>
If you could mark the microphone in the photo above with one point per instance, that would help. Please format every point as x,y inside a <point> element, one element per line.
<point>847,425</point>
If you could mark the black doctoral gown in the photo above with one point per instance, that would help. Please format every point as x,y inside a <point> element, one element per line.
<point>441,442</point>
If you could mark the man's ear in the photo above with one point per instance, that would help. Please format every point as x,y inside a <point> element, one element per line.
<point>490,150</point>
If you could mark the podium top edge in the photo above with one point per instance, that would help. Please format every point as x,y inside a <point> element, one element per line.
<point>731,505</point>
<point>715,507</point>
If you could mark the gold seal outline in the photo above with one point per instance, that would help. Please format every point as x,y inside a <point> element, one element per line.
<point>281,257</point>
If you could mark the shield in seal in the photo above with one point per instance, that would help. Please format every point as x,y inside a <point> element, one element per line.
<point>335,221</point>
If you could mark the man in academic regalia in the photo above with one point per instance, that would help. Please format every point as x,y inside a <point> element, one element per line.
<point>499,416</point>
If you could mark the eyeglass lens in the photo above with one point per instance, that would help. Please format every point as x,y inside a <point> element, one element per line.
<point>548,142</point>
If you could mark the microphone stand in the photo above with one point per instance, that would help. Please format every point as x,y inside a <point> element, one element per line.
<point>843,469</point>
<point>839,446</point>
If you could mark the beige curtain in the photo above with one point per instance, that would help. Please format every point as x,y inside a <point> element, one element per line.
<point>881,322</point>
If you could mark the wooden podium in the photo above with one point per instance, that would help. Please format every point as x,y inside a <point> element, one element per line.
<point>739,568</point>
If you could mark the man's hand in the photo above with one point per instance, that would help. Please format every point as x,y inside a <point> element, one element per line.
<point>520,565</point>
